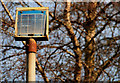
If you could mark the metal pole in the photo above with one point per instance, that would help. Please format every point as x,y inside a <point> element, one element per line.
<point>31,56</point>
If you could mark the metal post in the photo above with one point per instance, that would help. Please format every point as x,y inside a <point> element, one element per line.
<point>31,56</point>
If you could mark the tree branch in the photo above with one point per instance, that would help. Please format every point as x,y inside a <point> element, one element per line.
<point>41,70</point>
<point>14,47</point>
<point>12,56</point>
<point>42,6</point>
<point>107,63</point>
<point>7,11</point>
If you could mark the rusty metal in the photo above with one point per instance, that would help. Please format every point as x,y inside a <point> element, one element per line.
<point>32,46</point>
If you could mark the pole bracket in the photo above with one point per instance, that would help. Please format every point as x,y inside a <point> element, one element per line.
<point>32,46</point>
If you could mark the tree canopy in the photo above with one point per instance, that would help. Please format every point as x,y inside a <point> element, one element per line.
<point>84,42</point>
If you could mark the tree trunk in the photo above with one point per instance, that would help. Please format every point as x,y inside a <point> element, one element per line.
<point>89,54</point>
<point>76,48</point>
<point>90,46</point>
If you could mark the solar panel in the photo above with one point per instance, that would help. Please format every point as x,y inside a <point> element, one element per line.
<point>32,22</point>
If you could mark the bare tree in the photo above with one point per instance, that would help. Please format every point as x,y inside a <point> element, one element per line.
<point>84,42</point>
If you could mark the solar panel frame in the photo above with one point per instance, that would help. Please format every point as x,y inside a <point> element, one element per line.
<point>41,31</point>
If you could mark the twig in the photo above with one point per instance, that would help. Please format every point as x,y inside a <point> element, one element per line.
<point>7,11</point>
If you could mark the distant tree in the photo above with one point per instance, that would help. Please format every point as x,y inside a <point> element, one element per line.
<point>84,42</point>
